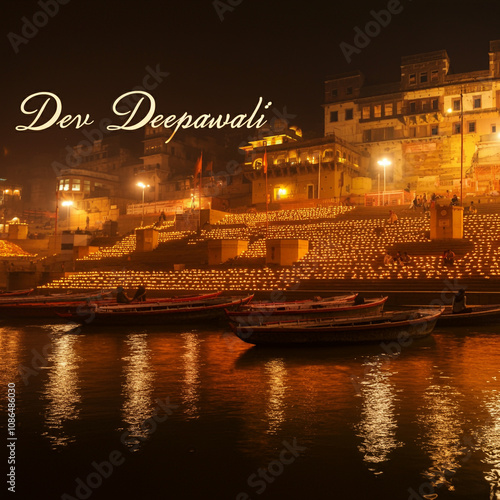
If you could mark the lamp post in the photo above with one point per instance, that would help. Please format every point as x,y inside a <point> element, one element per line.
<point>462,147</point>
<point>378,189</point>
<point>69,204</point>
<point>384,162</point>
<point>450,110</point>
<point>143,187</point>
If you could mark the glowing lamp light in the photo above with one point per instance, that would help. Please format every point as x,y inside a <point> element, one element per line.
<point>449,110</point>
<point>67,203</point>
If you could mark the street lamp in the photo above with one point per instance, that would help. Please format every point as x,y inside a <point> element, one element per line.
<point>69,204</point>
<point>143,187</point>
<point>384,162</point>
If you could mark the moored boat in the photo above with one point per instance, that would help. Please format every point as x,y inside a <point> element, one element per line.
<point>477,315</point>
<point>156,313</point>
<point>300,304</point>
<point>247,316</point>
<point>17,293</point>
<point>48,307</point>
<point>387,326</point>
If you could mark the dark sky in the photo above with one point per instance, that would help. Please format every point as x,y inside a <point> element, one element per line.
<point>90,52</point>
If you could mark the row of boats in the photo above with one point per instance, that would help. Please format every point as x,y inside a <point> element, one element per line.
<point>338,319</point>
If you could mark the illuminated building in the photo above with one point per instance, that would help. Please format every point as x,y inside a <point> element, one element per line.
<point>416,122</point>
<point>298,170</point>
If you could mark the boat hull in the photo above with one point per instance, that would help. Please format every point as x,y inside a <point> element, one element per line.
<point>161,314</point>
<point>358,331</point>
<point>479,315</point>
<point>340,310</point>
<point>48,308</point>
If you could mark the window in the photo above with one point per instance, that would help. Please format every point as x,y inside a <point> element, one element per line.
<point>61,185</point>
<point>434,75</point>
<point>477,102</point>
<point>413,107</point>
<point>76,185</point>
<point>334,93</point>
<point>377,110</point>
<point>399,107</point>
<point>456,104</point>
<point>472,127</point>
<point>423,77</point>
<point>367,136</point>
<point>348,90</point>
<point>349,114</point>
<point>334,116</point>
<point>493,129</point>
<point>435,104</point>
<point>412,79</point>
<point>66,184</point>
<point>86,186</point>
<point>456,128</point>
<point>434,130</point>
<point>388,109</point>
<point>366,112</point>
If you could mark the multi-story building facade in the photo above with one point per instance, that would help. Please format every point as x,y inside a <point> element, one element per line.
<point>298,170</point>
<point>416,123</point>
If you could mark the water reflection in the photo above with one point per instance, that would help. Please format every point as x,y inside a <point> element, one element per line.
<point>9,350</point>
<point>275,409</point>
<point>191,387</point>
<point>441,421</point>
<point>490,444</point>
<point>378,424</point>
<point>137,388</point>
<point>62,390</point>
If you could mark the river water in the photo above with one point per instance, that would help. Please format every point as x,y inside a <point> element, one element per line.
<point>195,413</point>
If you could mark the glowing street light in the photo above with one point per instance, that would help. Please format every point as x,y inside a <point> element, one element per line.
<point>69,204</point>
<point>384,162</point>
<point>143,187</point>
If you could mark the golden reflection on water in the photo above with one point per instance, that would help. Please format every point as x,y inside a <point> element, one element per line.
<point>490,444</point>
<point>378,424</point>
<point>275,409</point>
<point>441,420</point>
<point>138,387</point>
<point>9,352</point>
<point>191,364</point>
<point>62,390</point>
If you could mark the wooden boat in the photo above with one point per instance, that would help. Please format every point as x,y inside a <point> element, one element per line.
<point>17,293</point>
<point>387,326</point>
<point>156,313</point>
<point>43,307</point>
<point>478,315</point>
<point>247,316</point>
<point>300,304</point>
<point>47,299</point>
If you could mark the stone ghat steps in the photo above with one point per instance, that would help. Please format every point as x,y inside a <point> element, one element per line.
<point>436,247</point>
<point>371,213</point>
<point>162,258</point>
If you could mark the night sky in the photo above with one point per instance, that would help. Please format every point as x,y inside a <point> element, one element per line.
<point>91,52</point>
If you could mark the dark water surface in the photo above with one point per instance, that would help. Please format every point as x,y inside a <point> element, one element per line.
<point>344,423</point>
